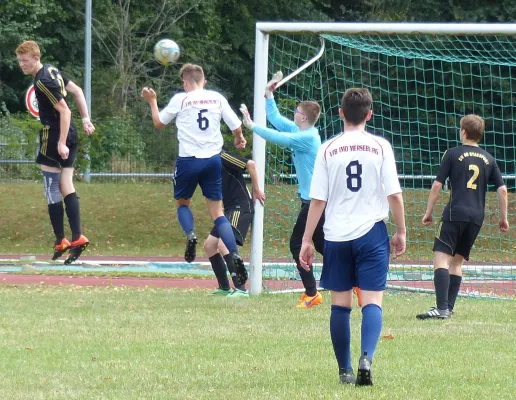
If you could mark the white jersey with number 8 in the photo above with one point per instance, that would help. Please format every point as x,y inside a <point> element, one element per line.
<point>354,173</point>
<point>198,114</point>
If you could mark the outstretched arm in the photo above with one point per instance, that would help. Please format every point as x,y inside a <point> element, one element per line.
<point>280,122</point>
<point>285,139</point>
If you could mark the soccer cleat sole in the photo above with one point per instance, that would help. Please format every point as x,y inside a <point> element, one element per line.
<point>59,253</point>
<point>191,252</point>
<point>348,378</point>
<point>364,378</point>
<point>75,253</point>
<point>241,272</point>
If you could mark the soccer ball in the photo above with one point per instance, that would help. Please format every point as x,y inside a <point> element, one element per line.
<point>166,52</point>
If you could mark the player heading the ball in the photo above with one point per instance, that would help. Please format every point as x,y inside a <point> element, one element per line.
<point>197,113</point>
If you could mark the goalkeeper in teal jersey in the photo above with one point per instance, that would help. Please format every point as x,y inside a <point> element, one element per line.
<point>302,137</point>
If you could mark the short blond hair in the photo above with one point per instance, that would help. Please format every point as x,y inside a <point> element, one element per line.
<point>192,73</point>
<point>473,126</point>
<point>29,47</point>
<point>311,109</point>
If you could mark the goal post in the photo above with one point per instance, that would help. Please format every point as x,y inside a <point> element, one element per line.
<point>423,77</point>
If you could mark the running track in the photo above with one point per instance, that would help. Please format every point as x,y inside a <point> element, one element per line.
<point>505,288</point>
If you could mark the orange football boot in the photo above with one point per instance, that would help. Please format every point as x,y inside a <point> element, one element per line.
<point>310,301</point>
<point>60,248</point>
<point>76,249</point>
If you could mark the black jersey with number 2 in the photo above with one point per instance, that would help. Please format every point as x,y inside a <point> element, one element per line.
<point>469,170</point>
<point>50,88</point>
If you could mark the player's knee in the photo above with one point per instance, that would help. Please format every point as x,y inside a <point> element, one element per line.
<point>210,246</point>
<point>51,187</point>
<point>66,181</point>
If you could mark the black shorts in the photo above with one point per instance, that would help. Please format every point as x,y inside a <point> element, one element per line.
<point>240,221</point>
<point>456,238</point>
<point>48,154</point>
<point>296,238</point>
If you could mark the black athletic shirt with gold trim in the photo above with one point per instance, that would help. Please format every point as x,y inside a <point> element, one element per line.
<point>50,88</point>
<point>234,189</point>
<point>469,170</point>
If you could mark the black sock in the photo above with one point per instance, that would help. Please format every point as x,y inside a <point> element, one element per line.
<point>453,290</point>
<point>219,268</point>
<point>308,280</point>
<point>56,213</point>
<point>441,283</point>
<point>229,262</point>
<point>74,214</point>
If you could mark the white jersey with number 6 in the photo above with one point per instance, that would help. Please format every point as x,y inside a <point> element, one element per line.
<point>198,114</point>
<point>354,173</point>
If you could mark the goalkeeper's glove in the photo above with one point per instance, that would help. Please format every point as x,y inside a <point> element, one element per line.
<point>272,84</point>
<point>246,117</point>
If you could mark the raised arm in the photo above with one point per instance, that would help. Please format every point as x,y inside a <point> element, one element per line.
<point>285,139</point>
<point>293,140</point>
<point>280,122</point>
<point>150,97</point>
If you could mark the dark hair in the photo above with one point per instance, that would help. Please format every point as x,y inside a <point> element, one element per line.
<point>356,103</point>
<point>474,127</point>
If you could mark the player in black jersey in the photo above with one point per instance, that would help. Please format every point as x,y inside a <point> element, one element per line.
<point>239,210</point>
<point>469,170</point>
<point>58,145</point>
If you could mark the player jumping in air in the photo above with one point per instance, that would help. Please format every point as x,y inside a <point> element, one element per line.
<point>58,143</point>
<point>198,113</point>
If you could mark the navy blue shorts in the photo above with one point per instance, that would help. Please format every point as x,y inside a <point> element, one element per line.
<point>362,262</point>
<point>205,172</point>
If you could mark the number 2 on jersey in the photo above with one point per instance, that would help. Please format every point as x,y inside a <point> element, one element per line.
<point>471,183</point>
<point>54,73</point>
<point>354,181</point>
<point>203,122</point>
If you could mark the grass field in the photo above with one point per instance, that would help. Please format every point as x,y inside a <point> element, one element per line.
<point>122,343</point>
<point>140,220</point>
